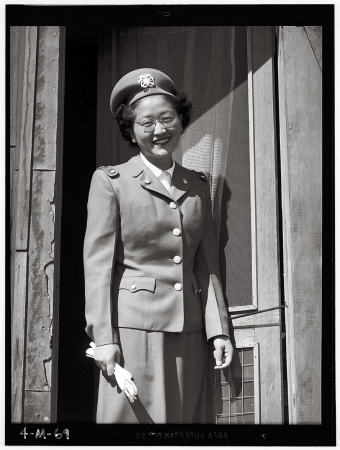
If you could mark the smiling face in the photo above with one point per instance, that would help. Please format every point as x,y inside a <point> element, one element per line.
<point>157,145</point>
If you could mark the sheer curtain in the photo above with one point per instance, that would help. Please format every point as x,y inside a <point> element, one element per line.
<point>200,61</point>
<point>210,65</point>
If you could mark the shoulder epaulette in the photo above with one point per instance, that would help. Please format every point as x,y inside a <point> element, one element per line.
<point>201,175</point>
<point>109,170</point>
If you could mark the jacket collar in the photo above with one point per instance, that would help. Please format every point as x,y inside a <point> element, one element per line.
<point>180,179</point>
<point>156,170</point>
<point>136,165</point>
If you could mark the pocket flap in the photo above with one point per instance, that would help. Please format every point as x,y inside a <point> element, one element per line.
<point>195,285</point>
<point>135,284</point>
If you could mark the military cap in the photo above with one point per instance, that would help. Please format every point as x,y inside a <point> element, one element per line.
<point>138,84</point>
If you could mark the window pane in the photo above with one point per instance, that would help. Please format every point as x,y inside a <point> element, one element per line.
<point>248,373</point>
<point>238,398</point>
<point>236,420</point>
<point>248,389</point>
<point>248,405</point>
<point>223,421</point>
<point>249,419</point>
<point>225,390</point>
<point>248,356</point>
<point>236,406</point>
<point>225,407</point>
<point>236,271</point>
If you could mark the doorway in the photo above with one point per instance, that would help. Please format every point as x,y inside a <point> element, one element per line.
<point>236,117</point>
<point>231,139</point>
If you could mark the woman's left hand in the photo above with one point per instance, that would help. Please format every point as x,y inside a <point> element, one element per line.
<point>223,353</point>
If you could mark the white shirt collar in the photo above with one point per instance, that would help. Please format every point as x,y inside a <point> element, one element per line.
<point>156,170</point>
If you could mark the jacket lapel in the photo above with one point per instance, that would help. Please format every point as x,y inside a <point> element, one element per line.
<point>146,177</point>
<point>150,182</point>
<point>180,183</point>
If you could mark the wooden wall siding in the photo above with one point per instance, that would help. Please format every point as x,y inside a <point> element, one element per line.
<point>300,106</point>
<point>22,91</point>
<point>40,283</point>
<point>14,63</point>
<point>25,139</point>
<point>267,326</point>
<point>41,262</point>
<point>17,46</point>
<point>46,107</point>
<point>38,139</point>
<point>14,68</point>
<point>58,193</point>
<point>314,35</point>
<point>18,334</point>
<point>37,407</point>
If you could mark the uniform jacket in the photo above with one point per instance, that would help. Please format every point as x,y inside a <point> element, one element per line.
<point>150,256</point>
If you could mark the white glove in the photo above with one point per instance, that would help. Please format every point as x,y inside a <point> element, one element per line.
<point>123,377</point>
<point>90,351</point>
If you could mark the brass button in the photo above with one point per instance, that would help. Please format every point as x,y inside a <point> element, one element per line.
<point>173,205</point>
<point>112,171</point>
<point>147,181</point>
<point>176,231</point>
<point>177,259</point>
<point>178,286</point>
<point>133,287</point>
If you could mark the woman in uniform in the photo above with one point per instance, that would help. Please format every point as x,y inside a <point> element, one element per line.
<point>153,291</point>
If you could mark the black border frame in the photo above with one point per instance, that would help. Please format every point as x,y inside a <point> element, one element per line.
<point>167,15</point>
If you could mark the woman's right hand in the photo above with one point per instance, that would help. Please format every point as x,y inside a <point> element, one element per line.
<point>106,356</point>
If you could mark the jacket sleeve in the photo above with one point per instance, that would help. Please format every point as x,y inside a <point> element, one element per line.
<point>207,272</point>
<point>99,258</point>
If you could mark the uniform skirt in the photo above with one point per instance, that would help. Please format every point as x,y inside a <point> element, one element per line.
<point>170,372</point>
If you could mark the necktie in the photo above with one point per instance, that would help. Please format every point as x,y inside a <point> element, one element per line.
<point>165,179</point>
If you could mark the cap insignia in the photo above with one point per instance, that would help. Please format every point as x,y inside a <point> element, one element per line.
<point>146,81</point>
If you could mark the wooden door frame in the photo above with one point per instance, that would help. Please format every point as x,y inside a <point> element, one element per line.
<point>264,329</point>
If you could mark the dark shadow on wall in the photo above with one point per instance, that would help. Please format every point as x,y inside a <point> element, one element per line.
<point>224,235</point>
<point>75,370</point>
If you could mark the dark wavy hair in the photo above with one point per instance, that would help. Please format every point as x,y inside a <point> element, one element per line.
<point>125,115</point>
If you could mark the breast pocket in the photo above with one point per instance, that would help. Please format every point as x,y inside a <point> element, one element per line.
<point>134,298</point>
<point>138,284</point>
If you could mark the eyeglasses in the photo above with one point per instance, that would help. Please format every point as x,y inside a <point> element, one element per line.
<point>149,123</point>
